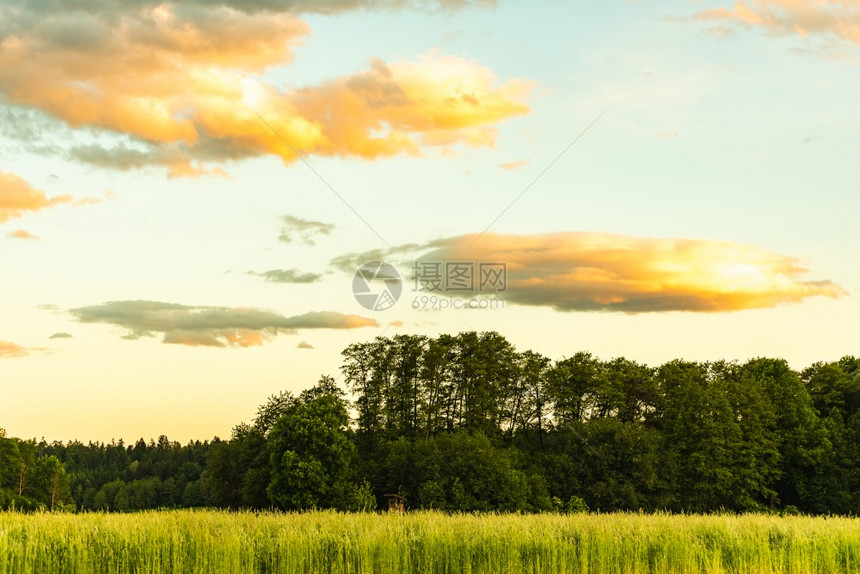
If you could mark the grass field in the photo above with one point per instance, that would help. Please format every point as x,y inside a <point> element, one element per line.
<point>214,541</point>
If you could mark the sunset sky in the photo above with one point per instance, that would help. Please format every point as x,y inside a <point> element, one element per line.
<point>187,189</point>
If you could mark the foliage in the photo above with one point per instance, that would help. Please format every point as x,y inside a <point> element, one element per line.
<point>467,422</point>
<point>311,456</point>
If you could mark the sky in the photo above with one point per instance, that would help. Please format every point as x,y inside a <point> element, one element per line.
<point>190,191</point>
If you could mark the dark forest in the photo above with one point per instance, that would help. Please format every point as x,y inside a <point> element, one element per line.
<point>468,423</point>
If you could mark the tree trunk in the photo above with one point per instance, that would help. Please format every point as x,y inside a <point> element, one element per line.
<point>22,477</point>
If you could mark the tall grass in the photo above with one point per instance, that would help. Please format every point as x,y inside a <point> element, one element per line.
<point>425,542</point>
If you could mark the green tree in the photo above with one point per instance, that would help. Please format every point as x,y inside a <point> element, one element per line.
<point>222,478</point>
<point>193,494</point>
<point>49,483</point>
<point>720,430</point>
<point>699,433</point>
<point>269,412</point>
<point>237,471</point>
<point>835,392</point>
<point>311,456</point>
<point>801,436</point>
<point>571,385</point>
<point>531,407</point>
<point>10,463</point>
<point>457,471</point>
<point>755,456</point>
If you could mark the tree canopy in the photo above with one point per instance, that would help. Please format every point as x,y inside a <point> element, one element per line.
<point>467,422</point>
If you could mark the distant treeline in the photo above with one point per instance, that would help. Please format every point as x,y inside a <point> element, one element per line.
<point>467,423</point>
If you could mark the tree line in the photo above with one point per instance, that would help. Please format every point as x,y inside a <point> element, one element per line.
<point>467,422</point>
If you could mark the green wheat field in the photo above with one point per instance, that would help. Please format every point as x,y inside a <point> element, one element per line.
<point>219,541</point>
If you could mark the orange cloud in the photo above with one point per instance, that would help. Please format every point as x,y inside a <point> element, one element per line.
<point>573,271</point>
<point>511,165</point>
<point>833,18</point>
<point>18,197</point>
<point>182,82</point>
<point>210,326</point>
<point>11,350</point>
<point>21,234</point>
<point>110,195</point>
<point>400,107</point>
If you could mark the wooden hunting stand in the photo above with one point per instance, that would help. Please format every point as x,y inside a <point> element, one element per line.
<point>396,503</point>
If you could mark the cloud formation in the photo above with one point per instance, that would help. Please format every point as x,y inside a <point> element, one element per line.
<point>21,234</point>
<point>577,271</point>
<point>210,326</point>
<point>512,165</point>
<point>61,336</point>
<point>178,84</point>
<point>17,197</point>
<point>252,6</point>
<point>287,276</point>
<point>302,230</point>
<point>11,350</point>
<point>304,345</point>
<point>831,19</point>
